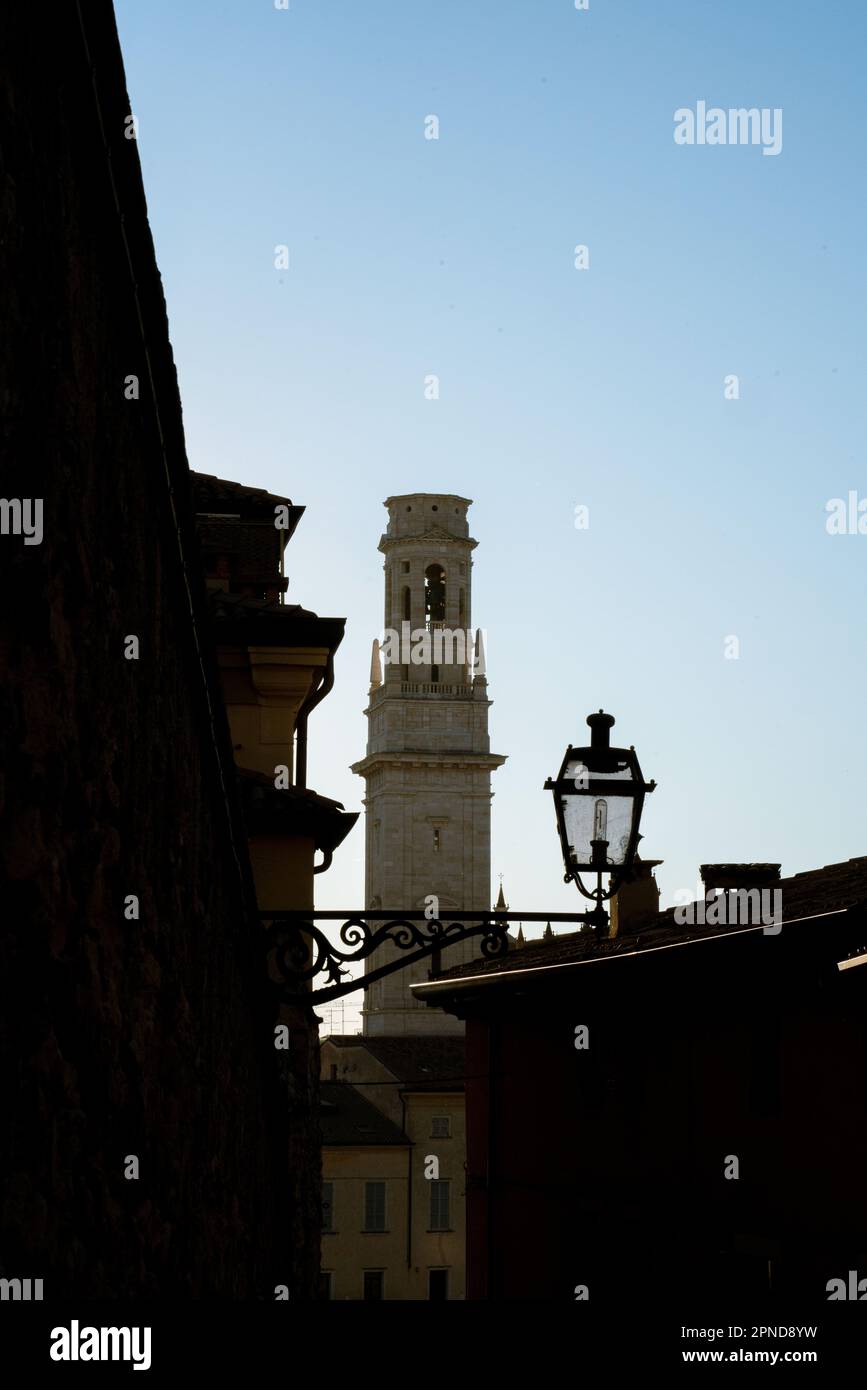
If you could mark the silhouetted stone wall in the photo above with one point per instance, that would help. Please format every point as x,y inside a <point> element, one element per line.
<point>118,1037</point>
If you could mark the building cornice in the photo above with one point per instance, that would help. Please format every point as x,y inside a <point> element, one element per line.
<point>412,757</point>
<point>277,626</point>
<point>423,541</point>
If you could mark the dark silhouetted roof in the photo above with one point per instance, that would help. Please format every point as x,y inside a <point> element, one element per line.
<point>739,875</point>
<point>424,1063</point>
<point>347,1118</point>
<point>247,619</point>
<point>833,888</point>
<point>229,605</point>
<point>210,493</point>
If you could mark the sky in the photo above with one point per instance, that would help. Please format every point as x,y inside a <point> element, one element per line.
<point>606,387</point>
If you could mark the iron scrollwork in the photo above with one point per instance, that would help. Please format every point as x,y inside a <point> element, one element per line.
<point>297,950</point>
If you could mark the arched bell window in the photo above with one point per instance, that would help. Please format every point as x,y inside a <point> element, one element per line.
<point>434,595</point>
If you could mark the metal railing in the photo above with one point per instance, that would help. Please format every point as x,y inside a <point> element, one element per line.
<point>460,692</point>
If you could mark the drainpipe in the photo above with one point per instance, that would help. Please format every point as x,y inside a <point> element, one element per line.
<point>408,1188</point>
<point>313,699</point>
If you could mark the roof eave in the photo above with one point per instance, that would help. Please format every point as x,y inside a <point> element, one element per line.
<point>463,983</point>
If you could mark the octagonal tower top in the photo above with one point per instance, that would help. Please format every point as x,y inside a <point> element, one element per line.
<point>415,513</point>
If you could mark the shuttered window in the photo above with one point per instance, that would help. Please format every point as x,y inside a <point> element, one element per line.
<point>374,1206</point>
<point>439,1205</point>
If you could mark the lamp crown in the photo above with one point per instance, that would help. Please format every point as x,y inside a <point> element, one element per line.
<point>601,725</point>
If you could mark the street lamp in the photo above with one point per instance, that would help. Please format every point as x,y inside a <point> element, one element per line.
<point>598,798</point>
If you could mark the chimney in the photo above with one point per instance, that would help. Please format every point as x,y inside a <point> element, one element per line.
<point>731,877</point>
<point>636,902</point>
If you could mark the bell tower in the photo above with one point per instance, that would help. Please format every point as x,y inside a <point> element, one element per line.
<point>428,763</point>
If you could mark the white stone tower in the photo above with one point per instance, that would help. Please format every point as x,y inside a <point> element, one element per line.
<point>428,763</point>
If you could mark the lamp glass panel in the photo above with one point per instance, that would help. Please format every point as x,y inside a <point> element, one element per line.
<point>588,817</point>
<point>578,819</point>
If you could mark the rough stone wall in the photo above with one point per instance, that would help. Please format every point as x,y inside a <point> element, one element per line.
<point>153,1037</point>
<point>304,1189</point>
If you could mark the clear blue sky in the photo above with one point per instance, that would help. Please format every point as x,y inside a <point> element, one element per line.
<point>603,387</point>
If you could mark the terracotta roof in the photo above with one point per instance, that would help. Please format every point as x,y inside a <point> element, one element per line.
<point>832,888</point>
<point>424,1063</point>
<point>348,1118</point>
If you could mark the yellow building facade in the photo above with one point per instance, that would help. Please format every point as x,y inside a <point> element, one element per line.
<point>393,1168</point>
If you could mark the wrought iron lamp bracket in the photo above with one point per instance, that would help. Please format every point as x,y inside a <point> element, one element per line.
<point>298,951</point>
